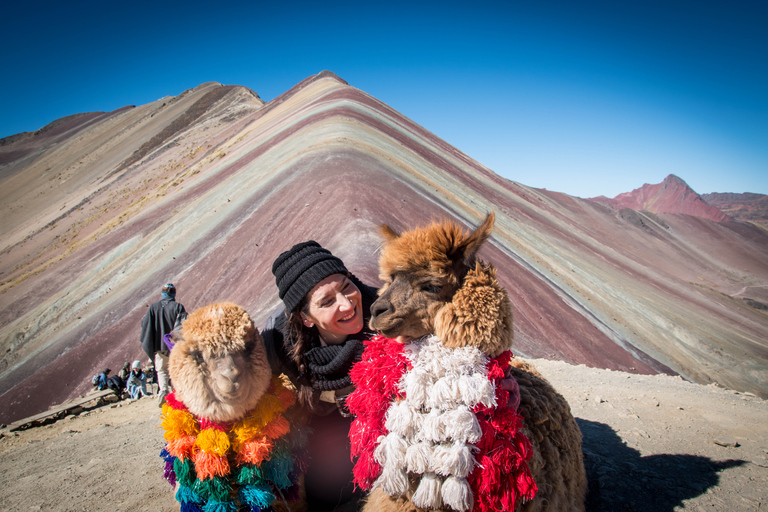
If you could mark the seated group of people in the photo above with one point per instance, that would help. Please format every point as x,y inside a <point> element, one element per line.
<point>132,378</point>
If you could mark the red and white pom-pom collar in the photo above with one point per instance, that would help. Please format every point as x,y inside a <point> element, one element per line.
<point>438,414</point>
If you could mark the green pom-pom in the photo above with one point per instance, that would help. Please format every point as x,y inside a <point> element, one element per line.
<point>249,475</point>
<point>277,470</point>
<point>214,489</point>
<point>185,472</point>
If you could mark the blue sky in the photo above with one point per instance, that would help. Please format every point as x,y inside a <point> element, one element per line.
<point>583,97</point>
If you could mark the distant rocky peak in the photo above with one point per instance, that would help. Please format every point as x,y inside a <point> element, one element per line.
<point>673,195</point>
<point>674,180</point>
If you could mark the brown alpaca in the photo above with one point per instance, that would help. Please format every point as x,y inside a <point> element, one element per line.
<point>434,284</point>
<point>227,415</point>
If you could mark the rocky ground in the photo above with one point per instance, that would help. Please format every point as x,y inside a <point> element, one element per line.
<point>651,443</point>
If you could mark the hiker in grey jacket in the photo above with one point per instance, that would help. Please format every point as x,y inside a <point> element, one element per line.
<point>162,318</point>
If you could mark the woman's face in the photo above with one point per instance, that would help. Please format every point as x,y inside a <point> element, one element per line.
<point>335,307</point>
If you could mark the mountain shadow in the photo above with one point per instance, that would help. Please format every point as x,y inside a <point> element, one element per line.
<point>620,478</point>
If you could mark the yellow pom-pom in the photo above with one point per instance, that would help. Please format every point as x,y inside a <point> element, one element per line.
<point>213,441</point>
<point>178,423</point>
<point>268,407</point>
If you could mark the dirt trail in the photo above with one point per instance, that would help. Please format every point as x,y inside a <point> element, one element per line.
<point>650,444</point>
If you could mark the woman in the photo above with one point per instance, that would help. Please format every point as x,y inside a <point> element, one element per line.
<point>137,381</point>
<point>314,340</point>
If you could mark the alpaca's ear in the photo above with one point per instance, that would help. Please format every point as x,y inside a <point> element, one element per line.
<point>388,233</point>
<point>473,242</point>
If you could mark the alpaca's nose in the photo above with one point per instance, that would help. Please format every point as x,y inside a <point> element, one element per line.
<point>379,307</point>
<point>230,371</point>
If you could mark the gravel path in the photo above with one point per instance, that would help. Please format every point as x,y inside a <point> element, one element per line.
<point>651,443</point>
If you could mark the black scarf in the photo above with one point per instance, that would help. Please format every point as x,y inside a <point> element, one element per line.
<point>328,367</point>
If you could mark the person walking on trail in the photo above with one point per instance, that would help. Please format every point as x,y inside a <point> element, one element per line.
<point>163,317</point>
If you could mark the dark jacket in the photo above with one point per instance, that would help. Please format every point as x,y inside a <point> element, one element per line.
<point>328,481</point>
<point>162,317</point>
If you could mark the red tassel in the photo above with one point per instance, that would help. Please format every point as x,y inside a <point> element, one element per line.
<point>172,402</point>
<point>375,377</point>
<point>224,427</point>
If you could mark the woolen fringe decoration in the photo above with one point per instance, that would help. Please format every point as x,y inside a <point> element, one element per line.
<point>266,453</point>
<point>438,417</point>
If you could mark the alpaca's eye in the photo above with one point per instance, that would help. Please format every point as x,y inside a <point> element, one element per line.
<point>431,288</point>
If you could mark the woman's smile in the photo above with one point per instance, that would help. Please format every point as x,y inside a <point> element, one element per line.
<point>335,308</point>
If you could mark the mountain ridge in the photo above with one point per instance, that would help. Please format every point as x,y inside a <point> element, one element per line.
<point>88,240</point>
<point>744,207</point>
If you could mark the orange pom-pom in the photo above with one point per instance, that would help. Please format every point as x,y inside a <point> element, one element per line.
<point>181,447</point>
<point>255,451</point>
<point>278,427</point>
<point>208,465</point>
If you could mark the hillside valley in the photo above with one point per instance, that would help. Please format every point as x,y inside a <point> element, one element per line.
<point>206,188</point>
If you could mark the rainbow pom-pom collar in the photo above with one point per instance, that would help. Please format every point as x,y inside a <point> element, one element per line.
<point>225,467</point>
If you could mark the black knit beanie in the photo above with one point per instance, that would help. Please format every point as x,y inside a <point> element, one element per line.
<point>300,268</point>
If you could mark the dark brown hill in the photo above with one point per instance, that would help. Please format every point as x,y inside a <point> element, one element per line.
<point>746,207</point>
<point>91,232</point>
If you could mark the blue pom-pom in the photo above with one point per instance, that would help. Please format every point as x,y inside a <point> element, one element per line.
<point>220,506</point>
<point>166,456</point>
<point>189,507</point>
<point>187,495</point>
<point>256,496</point>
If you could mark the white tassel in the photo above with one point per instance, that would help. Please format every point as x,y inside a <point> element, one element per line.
<point>418,458</point>
<point>433,428</point>
<point>392,481</point>
<point>461,425</point>
<point>444,395</point>
<point>428,493</point>
<point>453,459</point>
<point>476,388</point>
<point>416,383</point>
<point>457,494</point>
<point>391,450</point>
<point>400,419</point>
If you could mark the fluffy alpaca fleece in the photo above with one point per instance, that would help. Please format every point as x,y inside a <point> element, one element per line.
<point>435,284</point>
<point>230,444</point>
<point>219,334</point>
